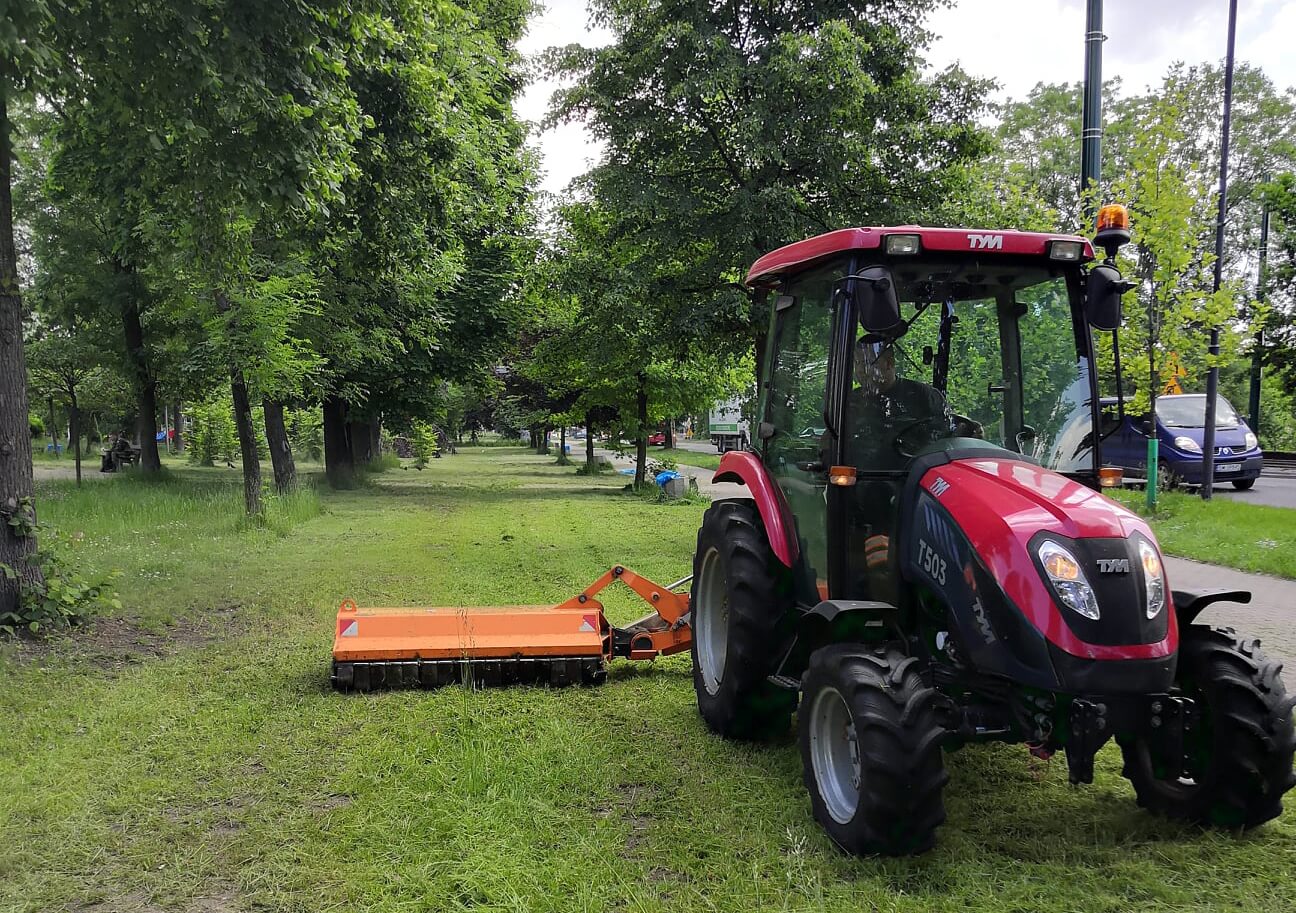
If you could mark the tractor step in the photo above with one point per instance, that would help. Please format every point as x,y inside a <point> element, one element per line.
<point>556,672</point>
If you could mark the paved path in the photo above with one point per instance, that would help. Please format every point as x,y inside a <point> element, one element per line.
<point>1269,616</point>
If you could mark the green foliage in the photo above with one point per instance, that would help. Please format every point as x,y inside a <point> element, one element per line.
<point>60,595</point>
<point>35,424</point>
<point>213,437</point>
<point>1171,218</point>
<point>306,432</point>
<point>423,439</point>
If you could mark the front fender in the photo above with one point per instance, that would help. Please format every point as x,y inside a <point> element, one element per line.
<point>745,468</point>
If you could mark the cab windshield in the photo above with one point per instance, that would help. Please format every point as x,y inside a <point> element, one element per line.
<point>990,351</point>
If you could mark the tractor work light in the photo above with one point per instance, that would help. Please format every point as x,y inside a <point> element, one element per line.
<point>903,244</point>
<point>1070,251</point>
<point>1153,579</point>
<point>1068,580</point>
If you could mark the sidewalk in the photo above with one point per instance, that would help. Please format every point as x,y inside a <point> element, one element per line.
<point>1269,616</point>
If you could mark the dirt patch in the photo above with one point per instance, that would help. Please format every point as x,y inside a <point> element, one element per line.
<point>114,643</point>
<point>134,902</point>
<point>629,805</point>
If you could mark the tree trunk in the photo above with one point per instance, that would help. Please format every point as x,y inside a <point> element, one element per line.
<point>641,448</point>
<point>361,442</point>
<point>281,455</point>
<point>589,441</point>
<point>670,433</point>
<point>243,425</point>
<point>179,426</point>
<point>339,468</point>
<point>16,490</point>
<point>375,437</point>
<point>562,444</point>
<point>247,442</point>
<point>145,385</point>
<point>74,429</point>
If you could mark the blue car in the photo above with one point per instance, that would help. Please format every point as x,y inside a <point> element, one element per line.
<point>1180,426</point>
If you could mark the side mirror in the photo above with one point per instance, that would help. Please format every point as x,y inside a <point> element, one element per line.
<point>1103,296</point>
<point>874,294</point>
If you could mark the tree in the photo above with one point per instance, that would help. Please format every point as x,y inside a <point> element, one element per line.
<point>734,128</point>
<point>62,361</point>
<point>1171,217</point>
<point>27,60</point>
<point>222,120</point>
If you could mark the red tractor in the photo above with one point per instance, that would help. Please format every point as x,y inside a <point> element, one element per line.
<point>938,567</point>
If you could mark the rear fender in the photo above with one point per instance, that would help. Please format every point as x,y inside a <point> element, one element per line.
<point>745,468</point>
<point>1189,605</point>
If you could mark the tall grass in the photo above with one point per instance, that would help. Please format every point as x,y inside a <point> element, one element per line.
<point>166,533</point>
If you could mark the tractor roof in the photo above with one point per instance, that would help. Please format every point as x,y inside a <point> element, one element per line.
<point>795,258</point>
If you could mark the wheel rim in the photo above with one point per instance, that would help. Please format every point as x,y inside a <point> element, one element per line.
<point>711,621</point>
<point>834,754</point>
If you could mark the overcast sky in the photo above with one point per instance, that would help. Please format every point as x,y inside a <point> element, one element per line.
<point>1016,42</point>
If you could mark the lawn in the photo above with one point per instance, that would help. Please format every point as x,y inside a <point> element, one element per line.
<point>203,764</point>
<point>1251,537</point>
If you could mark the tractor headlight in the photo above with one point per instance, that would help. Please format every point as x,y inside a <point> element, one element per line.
<point>1252,442</point>
<point>1153,579</point>
<point>1187,445</point>
<point>1068,580</point>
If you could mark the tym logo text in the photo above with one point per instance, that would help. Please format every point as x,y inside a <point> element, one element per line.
<point>985,242</point>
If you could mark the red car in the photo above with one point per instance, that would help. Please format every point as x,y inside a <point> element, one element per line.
<point>657,438</point>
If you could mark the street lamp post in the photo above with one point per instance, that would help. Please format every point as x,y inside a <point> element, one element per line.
<point>1212,377</point>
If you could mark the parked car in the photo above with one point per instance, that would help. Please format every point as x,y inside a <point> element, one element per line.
<point>1180,427</point>
<point>657,439</point>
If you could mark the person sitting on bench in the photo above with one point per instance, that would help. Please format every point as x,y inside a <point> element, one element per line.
<point>118,452</point>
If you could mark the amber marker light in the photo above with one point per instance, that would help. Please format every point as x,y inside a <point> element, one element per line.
<point>842,475</point>
<point>1061,567</point>
<point>1111,477</point>
<point>1113,216</point>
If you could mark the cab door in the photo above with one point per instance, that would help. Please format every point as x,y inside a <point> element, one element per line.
<point>796,442</point>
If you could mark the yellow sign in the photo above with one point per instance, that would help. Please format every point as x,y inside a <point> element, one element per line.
<point>1172,373</point>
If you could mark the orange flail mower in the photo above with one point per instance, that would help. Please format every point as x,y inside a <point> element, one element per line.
<point>565,644</point>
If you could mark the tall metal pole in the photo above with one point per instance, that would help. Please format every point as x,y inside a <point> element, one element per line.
<point>1091,123</point>
<point>1257,351</point>
<point>1212,378</point>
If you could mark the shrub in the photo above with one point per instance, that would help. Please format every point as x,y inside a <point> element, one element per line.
<point>62,597</point>
<point>36,423</point>
<point>424,441</point>
<point>213,436</point>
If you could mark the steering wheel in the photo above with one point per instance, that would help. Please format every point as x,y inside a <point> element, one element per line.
<point>899,437</point>
<point>967,427</point>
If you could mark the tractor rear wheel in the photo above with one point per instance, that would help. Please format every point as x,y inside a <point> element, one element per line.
<point>1238,759</point>
<point>871,749</point>
<point>736,604</point>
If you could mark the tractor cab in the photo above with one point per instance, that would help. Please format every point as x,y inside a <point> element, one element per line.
<point>908,342</point>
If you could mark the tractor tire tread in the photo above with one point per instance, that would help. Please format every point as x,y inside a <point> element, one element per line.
<point>746,707</point>
<point>1254,739</point>
<point>901,750</point>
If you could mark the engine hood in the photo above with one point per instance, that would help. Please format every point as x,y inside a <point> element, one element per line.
<point>1002,503</point>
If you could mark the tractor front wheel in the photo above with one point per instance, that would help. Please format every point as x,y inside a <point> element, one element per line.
<point>871,749</point>
<point>736,604</point>
<point>1237,760</point>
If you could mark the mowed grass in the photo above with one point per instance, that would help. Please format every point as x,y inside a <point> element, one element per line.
<point>1251,537</point>
<point>227,776</point>
<point>687,457</point>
